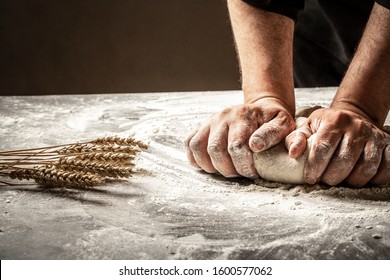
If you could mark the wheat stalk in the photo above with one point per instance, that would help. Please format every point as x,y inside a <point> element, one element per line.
<point>89,148</point>
<point>84,164</point>
<point>51,176</point>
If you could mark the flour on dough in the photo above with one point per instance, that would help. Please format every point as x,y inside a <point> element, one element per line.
<point>276,165</point>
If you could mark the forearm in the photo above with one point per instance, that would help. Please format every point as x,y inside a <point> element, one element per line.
<point>264,45</point>
<point>366,85</point>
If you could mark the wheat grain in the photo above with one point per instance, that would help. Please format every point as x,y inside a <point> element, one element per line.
<point>108,156</point>
<point>73,165</point>
<point>119,141</point>
<point>48,175</point>
<point>104,170</point>
<point>90,148</point>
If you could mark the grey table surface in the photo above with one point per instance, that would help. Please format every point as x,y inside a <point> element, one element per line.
<point>168,210</point>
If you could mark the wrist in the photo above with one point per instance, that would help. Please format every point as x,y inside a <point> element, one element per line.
<point>268,87</point>
<point>376,118</point>
<point>265,98</point>
<point>349,105</point>
<point>368,102</point>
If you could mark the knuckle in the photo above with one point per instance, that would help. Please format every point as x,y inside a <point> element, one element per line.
<point>286,120</point>
<point>225,112</point>
<point>323,147</point>
<point>369,163</point>
<point>242,110</point>
<point>345,158</point>
<point>236,147</point>
<point>195,144</point>
<point>214,149</point>
<point>187,142</point>
<point>364,130</point>
<point>372,157</point>
<point>341,117</point>
<point>369,171</point>
<point>248,113</point>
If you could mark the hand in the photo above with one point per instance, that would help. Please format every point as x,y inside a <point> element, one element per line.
<point>344,146</point>
<point>226,142</point>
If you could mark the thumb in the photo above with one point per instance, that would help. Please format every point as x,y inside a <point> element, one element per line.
<point>271,133</point>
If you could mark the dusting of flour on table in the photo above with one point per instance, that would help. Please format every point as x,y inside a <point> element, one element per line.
<point>170,210</point>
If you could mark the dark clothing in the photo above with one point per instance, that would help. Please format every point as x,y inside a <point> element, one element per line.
<point>289,8</point>
<point>327,33</point>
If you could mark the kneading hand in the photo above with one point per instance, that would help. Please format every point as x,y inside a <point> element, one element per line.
<point>226,142</point>
<point>344,146</point>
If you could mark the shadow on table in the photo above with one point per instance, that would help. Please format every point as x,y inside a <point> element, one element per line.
<point>73,193</point>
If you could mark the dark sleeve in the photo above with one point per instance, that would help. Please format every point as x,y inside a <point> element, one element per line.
<point>384,3</point>
<point>289,8</point>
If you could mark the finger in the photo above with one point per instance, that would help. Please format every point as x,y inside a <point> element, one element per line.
<point>344,160</point>
<point>198,147</point>
<point>296,144</point>
<point>271,133</point>
<point>241,155</point>
<point>296,141</point>
<point>323,145</point>
<point>367,165</point>
<point>217,149</point>
<point>190,156</point>
<point>382,177</point>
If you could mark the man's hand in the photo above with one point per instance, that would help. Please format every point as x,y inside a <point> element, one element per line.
<point>344,145</point>
<point>225,143</point>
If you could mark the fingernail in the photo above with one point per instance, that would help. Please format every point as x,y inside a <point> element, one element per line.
<point>253,177</point>
<point>261,147</point>
<point>311,180</point>
<point>293,150</point>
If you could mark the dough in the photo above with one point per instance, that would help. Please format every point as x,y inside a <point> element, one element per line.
<point>276,165</point>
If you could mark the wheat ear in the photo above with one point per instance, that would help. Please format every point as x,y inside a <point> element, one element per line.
<point>83,164</point>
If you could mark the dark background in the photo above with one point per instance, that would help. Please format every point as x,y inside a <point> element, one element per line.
<point>102,46</point>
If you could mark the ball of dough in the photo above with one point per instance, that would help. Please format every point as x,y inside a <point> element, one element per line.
<point>276,165</point>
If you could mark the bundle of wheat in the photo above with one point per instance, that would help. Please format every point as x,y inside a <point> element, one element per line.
<point>83,164</point>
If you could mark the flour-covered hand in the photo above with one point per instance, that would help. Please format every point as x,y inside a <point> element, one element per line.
<point>344,145</point>
<point>226,142</point>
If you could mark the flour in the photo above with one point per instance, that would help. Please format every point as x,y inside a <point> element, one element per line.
<point>182,213</point>
<point>8,121</point>
<point>81,120</point>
